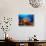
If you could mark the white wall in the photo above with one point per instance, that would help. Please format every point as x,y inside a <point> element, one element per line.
<point>11,8</point>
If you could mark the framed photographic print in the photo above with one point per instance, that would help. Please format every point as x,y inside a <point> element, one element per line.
<point>26,19</point>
